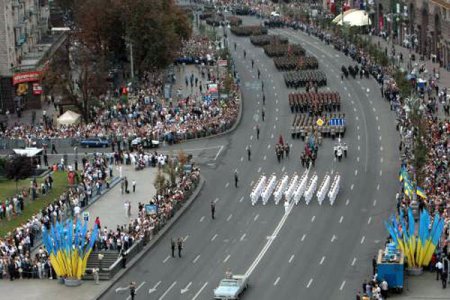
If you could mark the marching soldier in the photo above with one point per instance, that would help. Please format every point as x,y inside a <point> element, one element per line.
<point>253,63</point>
<point>259,74</point>
<point>172,246</point>
<point>286,150</point>
<point>236,178</point>
<point>180,246</point>
<point>245,54</point>
<point>257,131</point>
<point>249,153</point>
<point>213,209</point>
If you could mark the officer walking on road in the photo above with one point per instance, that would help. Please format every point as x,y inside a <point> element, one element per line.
<point>263,113</point>
<point>245,54</point>
<point>180,246</point>
<point>234,46</point>
<point>264,99</point>
<point>236,178</point>
<point>172,246</point>
<point>253,63</point>
<point>259,74</point>
<point>132,288</point>
<point>249,153</point>
<point>257,131</point>
<point>213,210</point>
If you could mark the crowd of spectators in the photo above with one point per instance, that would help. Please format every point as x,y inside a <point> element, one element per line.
<point>148,223</point>
<point>17,247</point>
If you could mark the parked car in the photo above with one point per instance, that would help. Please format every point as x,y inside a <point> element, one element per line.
<point>231,288</point>
<point>95,142</point>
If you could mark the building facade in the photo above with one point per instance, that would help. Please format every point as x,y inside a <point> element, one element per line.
<point>24,42</point>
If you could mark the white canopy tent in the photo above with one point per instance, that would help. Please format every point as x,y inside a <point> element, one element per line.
<point>339,16</point>
<point>69,118</point>
<point>28,152</point>
<point>356,18</point>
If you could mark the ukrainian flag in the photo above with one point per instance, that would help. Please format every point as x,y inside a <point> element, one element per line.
<point>409,191</point>
<point>421,193</point>
<point>403,174</point>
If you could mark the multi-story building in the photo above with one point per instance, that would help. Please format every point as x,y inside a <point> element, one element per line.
<point>427,20</point>
<point>25,43</point>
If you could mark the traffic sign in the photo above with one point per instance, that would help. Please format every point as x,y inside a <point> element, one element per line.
<point>319,122</point>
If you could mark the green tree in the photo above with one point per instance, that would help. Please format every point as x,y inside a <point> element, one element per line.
<point>19,167</point>
<point>160,182</point>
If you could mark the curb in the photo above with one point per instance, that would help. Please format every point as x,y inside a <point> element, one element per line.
<point>155,241</point>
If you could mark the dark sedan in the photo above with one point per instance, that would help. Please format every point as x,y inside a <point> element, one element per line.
<point>95,143</point>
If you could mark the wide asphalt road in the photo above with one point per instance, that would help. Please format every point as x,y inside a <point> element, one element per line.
<point>314,252</point>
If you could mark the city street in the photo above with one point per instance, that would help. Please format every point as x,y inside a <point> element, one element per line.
<point>316,252</point>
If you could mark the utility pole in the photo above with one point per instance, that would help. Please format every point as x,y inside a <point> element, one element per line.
<point>132,60</point>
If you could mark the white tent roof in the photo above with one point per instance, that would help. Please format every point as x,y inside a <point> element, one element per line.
<point>356,18</point>
<point>68,118</point>
<point>28,152</point>
<point>339,16</point>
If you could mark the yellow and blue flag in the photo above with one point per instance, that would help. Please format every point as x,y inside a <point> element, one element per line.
<point>421,193</point>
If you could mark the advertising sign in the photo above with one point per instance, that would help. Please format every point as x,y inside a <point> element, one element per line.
<point>27,77</point>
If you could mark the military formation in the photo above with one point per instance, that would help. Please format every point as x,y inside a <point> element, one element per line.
<point>297,79</point>
<point>314,103</point>
<point>333,125</point>
<point>290,63</point>
<point>266,39</point>
<point>353,71</point>
<point>277,50</point>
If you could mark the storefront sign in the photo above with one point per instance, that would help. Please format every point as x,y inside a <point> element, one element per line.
<point>37,89</point>
<point>27,77</point>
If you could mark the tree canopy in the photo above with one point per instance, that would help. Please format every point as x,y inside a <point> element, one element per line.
<point>18,167</point>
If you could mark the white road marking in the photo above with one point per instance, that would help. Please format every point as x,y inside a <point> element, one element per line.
<point>168,290</point>
<point>381,148</point>
<point>379,138</point>
<point>357,127</point>
<point>313,218</point>
<point>195,260</point>
<point>341,219</point>
<point>259,169</point>
<point>357,118</point>
<point>376,118</point>
<point>356,172</point>
<point>362,239</point>
<point>353,261</point>
<point>359,137</point>
<point>322,260</point>
<point>218,153</point>
<point>381,160</point>
<point>357,159</point>
<point>354,109</point>
<point>214,237</point>
<point>216,200</point>
<point>274,126</point>
<point>333,238</point>
<point>282,169</point>
<point>202,218</point>
<point>303,237</point>
<point>229,217</point>
<point>242,199</point>
<point>374,202</point>
<point>227,184</point>
<point>378,128</point>
<point>251,137</point>
<point>276,118</point>
<point>359,148</point>
<point>256,217</point>
<point>345,88</point>
<point>271,136</point>
<point>243,237</point>
<point>292,257</point>
<point>276,281</point>
<point>347,202</point>
<point>166,259</point>
<point>242,158</point>
<point>227,258</point>
<point>352,186</point>
<point>201,289</point>
<point>381,172</point>
<point>309,283</point>
<point>186,288</point>
<point>374,110</point>
<point>265,157</point>
<point>268,146</point>
<point>185,238</point>
<point>342,285</point>
<point>370,220</point>
<point>153,289</point>
<point>378,187</point>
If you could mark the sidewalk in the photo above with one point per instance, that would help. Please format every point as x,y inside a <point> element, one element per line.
<point>110,209</point>
<point>423,287</point>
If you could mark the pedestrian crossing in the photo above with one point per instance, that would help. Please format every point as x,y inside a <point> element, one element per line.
<point>293,188</point>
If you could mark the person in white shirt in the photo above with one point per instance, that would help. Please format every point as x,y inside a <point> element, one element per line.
<point>439,268</point>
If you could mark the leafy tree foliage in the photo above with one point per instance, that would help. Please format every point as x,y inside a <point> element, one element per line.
<point>18,167</point>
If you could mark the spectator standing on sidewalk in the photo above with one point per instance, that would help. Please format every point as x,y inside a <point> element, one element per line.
<point>439,267</point>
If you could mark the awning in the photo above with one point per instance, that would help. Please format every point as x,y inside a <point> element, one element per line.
<point>356,18</point>
<point>339,16</point>
<point>28,152</point>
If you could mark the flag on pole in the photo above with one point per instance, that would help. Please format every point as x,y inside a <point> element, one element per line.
<point>421,193</point>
